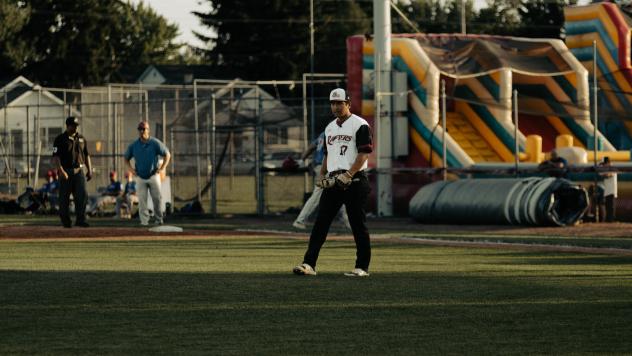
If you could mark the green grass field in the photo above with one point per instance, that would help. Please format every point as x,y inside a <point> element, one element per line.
<point>237,296</point>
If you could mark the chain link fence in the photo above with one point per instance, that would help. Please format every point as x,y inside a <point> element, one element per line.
<point>236,146</point>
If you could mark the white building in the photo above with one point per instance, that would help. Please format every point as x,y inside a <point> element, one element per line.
<point>30,118</point>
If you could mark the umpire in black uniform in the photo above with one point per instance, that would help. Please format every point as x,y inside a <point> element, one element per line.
<point>71,157</point>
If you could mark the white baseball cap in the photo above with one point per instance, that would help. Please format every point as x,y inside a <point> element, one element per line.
<point>338,95</point>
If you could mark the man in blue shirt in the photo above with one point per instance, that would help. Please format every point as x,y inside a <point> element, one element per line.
<point>146,152</point>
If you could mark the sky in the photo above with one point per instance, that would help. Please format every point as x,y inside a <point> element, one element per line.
<point>179,12</point>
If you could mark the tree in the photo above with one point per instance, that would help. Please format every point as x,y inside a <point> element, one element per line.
<point>500,17</point>
<point>432,16</point>
<point>84,42</point>
<point>12,52</point>
<point>542,18</point>
<point>271,39</point>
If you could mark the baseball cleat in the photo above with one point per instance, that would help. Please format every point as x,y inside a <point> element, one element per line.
<point>304,270</point>
<point>357,272</point>
<point>299,225</point>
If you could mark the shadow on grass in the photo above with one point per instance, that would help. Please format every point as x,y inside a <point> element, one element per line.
<point>272,313</point>
<point>561,260</point>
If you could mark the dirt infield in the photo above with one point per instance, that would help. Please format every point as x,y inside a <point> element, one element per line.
<point>54,232</point>
<point>282,225</point>
<point>395,230</point>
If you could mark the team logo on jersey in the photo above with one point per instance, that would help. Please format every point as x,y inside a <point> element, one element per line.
<point>345,138</point>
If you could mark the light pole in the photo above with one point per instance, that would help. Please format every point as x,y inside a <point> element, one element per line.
<point>595,124</point>
<point>444,144</point>
<point>311,67</point>
<point>463,17</point>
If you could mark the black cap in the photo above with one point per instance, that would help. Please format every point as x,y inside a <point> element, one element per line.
<point>71,120</point>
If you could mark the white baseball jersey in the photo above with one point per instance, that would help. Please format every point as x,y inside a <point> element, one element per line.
<point>344,141</point>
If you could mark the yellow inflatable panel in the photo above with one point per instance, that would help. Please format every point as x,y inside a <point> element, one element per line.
<point>502,153</point>
<point>469,140</point>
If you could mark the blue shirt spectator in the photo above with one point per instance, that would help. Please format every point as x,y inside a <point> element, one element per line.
<point>145,155</point>
<point>130,188</point>
<point>52,184</point>
<point>319,154</point>
<point>49,187</point>
<point>114,188</point>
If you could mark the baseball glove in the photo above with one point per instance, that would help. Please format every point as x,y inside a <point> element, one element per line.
<point>344,179</point>
<point>326,183</point>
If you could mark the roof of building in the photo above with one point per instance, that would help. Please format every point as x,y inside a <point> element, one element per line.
<point>176,74</point>
<point>16,87</point>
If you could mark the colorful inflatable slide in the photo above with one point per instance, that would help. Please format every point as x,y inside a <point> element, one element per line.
<point>481,73</point>
<point>609,27</point>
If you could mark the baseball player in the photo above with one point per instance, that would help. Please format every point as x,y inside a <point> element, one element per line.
<point>348,144</point>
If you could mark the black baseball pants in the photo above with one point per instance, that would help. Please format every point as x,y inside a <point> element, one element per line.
<point>354,198</point>
<point>610,208</point>
<point>75,185</point>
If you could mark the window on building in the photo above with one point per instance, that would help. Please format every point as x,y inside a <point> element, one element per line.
<point>53,132</point>
<point>17,136</point>
<point>276,136</point>
<point>47,136</point>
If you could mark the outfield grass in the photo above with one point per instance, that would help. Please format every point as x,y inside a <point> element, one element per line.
<point>237,296</point>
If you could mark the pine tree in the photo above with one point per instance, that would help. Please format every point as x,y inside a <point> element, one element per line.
<point>271,39</point>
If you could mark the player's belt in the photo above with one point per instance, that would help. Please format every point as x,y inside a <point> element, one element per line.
<point>73,169</point>
<point>356,175</point>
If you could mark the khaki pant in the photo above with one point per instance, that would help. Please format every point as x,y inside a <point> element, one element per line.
<point>143,188</point>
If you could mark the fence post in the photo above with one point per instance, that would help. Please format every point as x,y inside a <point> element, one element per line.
<point>114,137</point>
<point>207,153</point>
<point>517,146</point>
<point>172,149</point>
<point>259,153</point>
<point>164,122</point>
<point>444,145</point>
<point>109,123</point>
<point>306,140</point>
<point>6,140</point>
<point>28,148</point>
<point>146,96</point>
<point>6,116</point>
<point>37,137</point>
<point>213,159</point>
<point>197,155</point>
<point>197,141</point>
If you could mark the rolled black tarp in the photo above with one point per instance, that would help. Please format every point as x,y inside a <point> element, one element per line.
<point>520,201</point>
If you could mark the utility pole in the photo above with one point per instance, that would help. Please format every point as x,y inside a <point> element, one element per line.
<point>463,30</point>
<point>311,69</point>
<point>383,102</point>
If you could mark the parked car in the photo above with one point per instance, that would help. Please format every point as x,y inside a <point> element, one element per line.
<point>282,160</point>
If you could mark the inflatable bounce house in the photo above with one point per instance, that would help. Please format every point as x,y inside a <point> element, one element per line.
<point>608,26</point>
<point>480,74</point>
